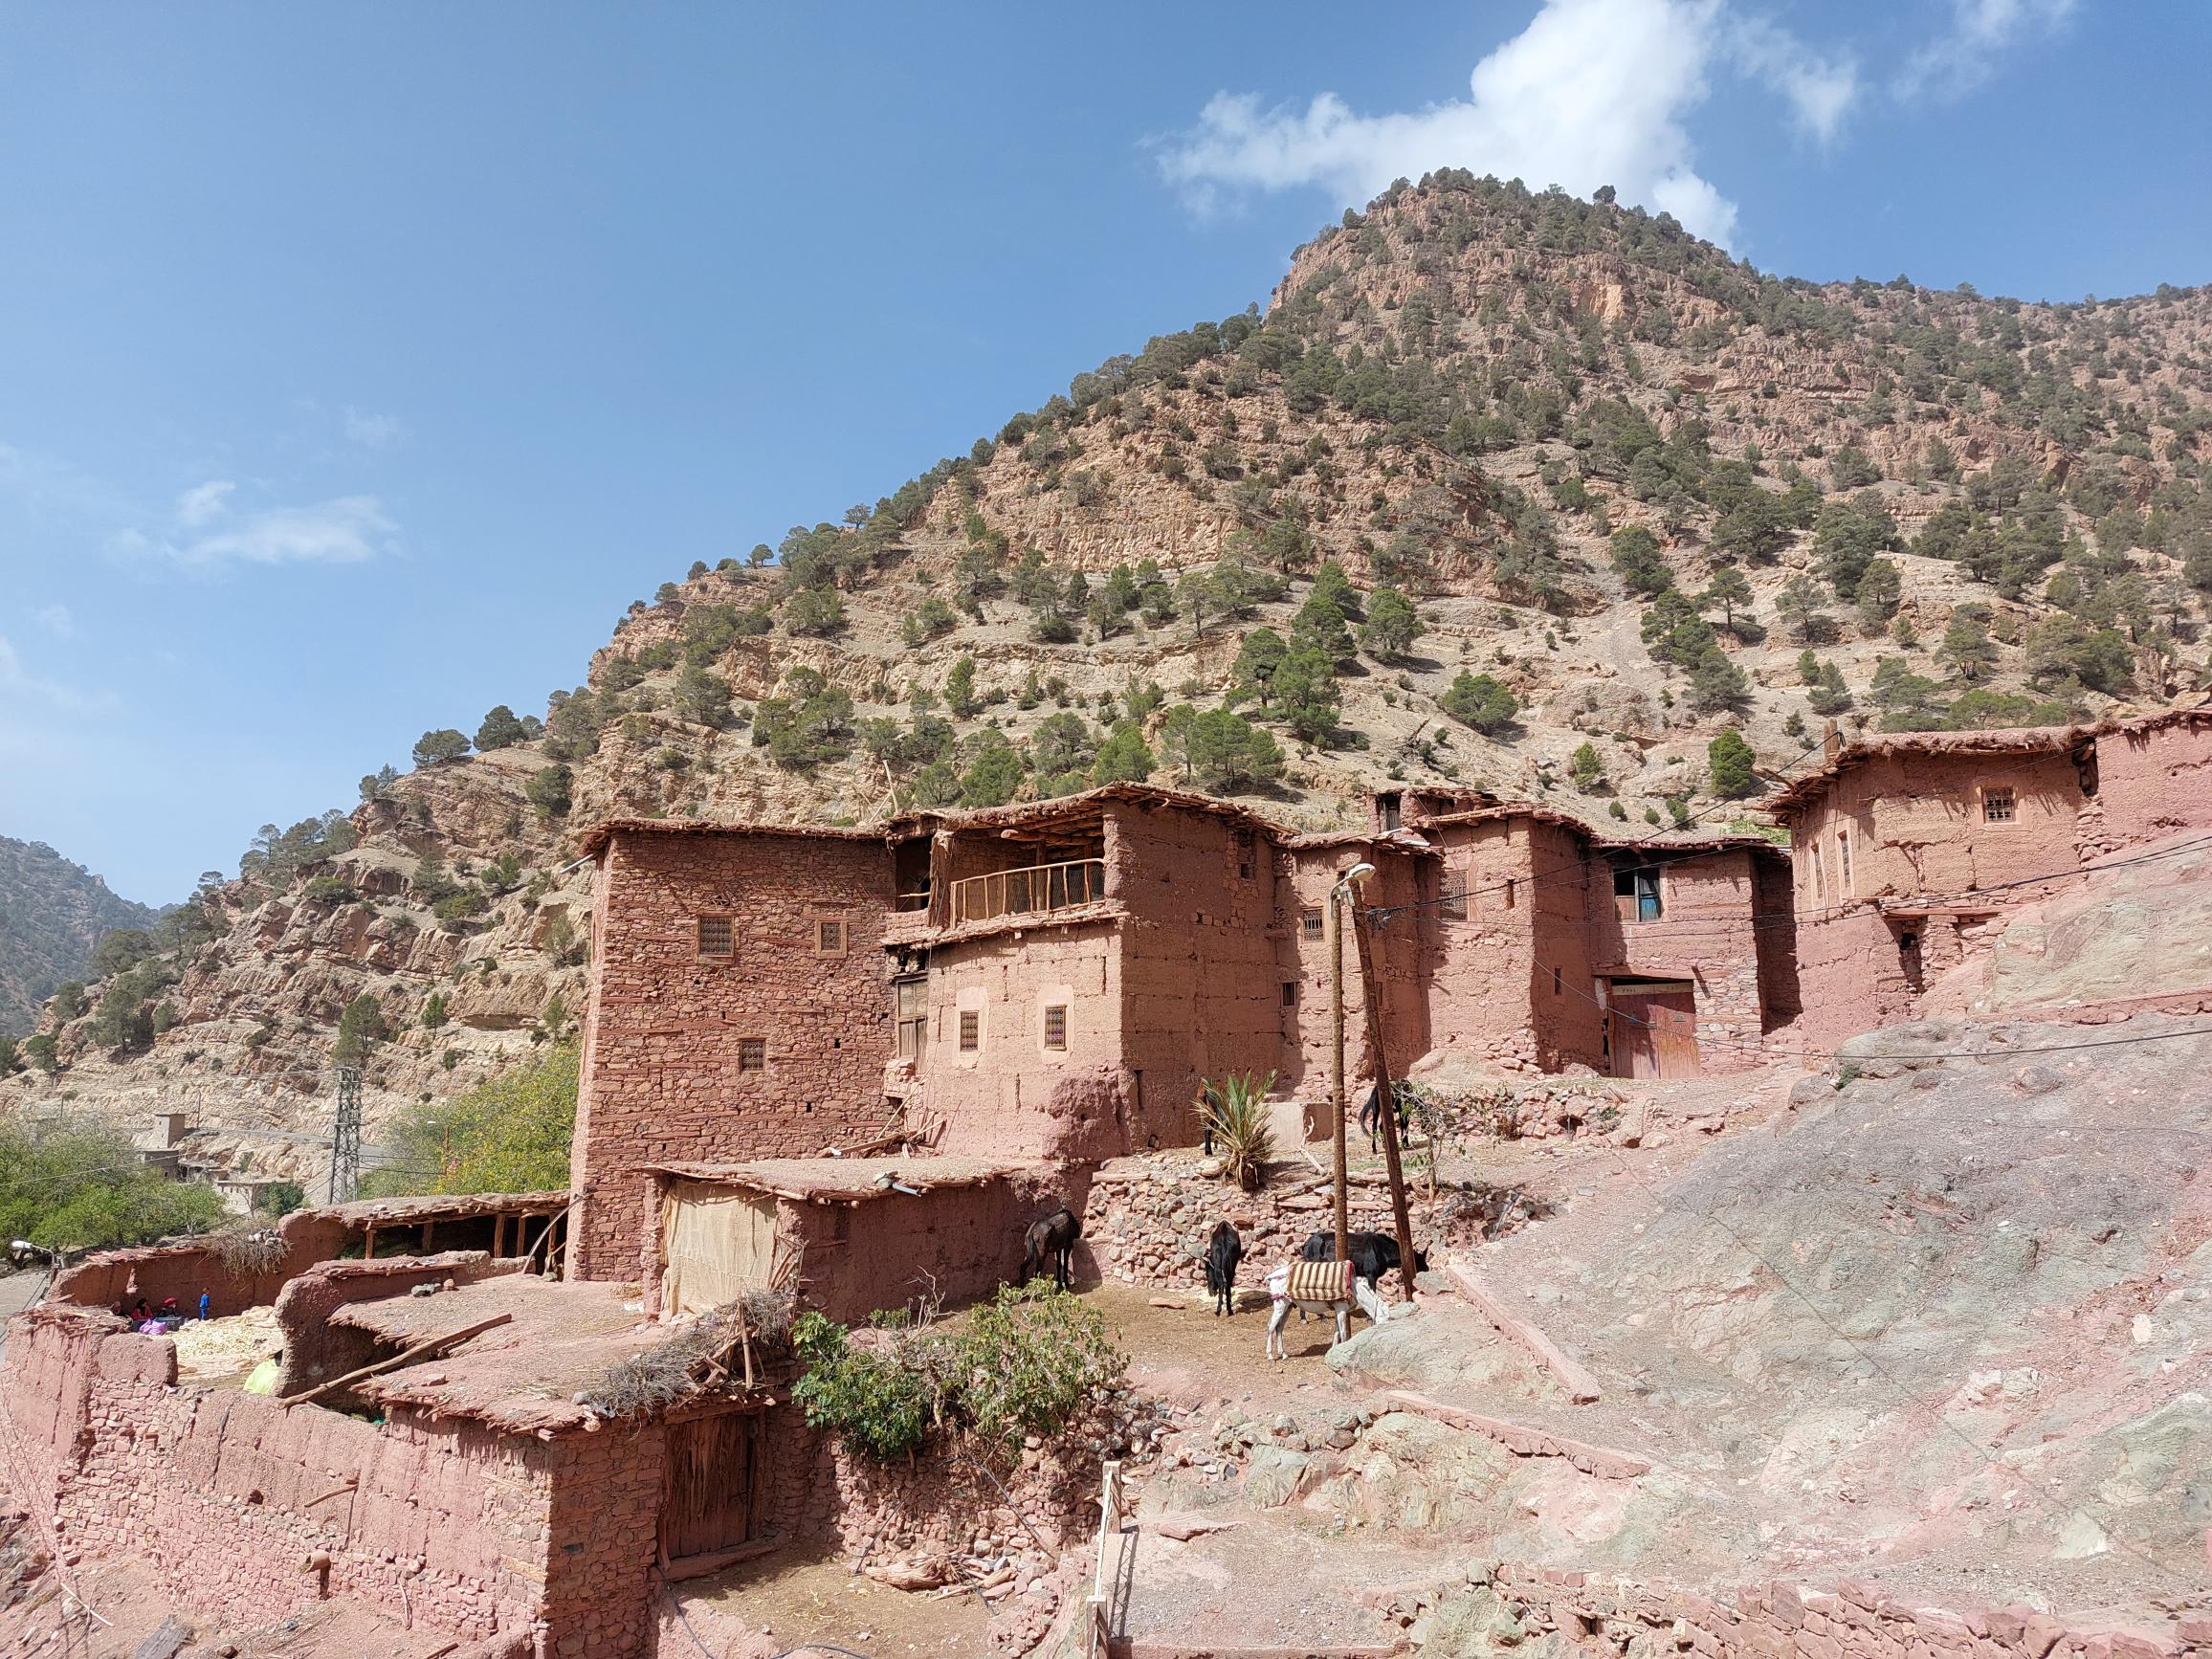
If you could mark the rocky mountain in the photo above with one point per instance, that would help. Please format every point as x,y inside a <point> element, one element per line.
<point>1506,489</point>
<point>51,914</point>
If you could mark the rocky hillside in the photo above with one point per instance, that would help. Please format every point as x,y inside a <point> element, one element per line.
<point>1511,490</point>
<point>51,914</point>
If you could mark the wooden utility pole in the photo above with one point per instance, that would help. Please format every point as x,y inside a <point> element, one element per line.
<point>1335,919</point>
<point>1386,1099</point>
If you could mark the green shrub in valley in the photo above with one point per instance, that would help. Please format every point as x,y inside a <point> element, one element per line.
<point>73,1184</point>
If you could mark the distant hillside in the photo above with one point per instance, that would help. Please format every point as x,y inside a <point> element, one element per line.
<point>1502,488</point>
<point>51,914</point>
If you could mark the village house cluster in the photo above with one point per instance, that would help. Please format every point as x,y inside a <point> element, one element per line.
<point>861,1061</point>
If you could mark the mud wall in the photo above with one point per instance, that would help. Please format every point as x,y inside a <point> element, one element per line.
<point>1483,970</point>
<point>227,1493</point>
<point>1563,1002</point>
<point>185,1271</point>
<point>1774,942</point>
<point>1704,932</point>
<point>1202,989</point>
<point>1010,1096</point>
<point>1918,825</point>
<point>663,1076</point>
<point>2153,781</point>
<point>1401,946</point>
<point>957,1242</point>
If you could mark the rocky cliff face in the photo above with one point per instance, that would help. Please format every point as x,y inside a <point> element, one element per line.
<point>1643,488</point>
<point>51,914</point>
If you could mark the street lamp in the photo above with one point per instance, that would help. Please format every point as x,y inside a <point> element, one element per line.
<point>1339,896</point>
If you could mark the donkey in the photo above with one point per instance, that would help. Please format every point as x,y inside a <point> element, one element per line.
<point>1053,1237</point>
<point>1223,1251</point>
<point>1324,1288</point>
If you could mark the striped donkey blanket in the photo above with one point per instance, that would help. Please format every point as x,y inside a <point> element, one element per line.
<point>1320,1282</point>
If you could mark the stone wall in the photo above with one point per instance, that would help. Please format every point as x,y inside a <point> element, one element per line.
<point>1401,946</point>
<point>1704,934</point>
<point>663,1069</point>
<point>2154,780</point>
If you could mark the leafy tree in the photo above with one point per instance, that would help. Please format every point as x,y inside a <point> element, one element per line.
<point>1061,743</point>
<point>11,1057</point>
<point>811,723</point>
<point>1881,590</point>
<point>701,698</point>
<point>1123,757</point>
<point>360,1028</point>
<point>1732,766</point>
<point>1829,696</point>
<point>1305,695</point>
<point>1392,624</point>
<point>815,612</point>
<point>1257,661</point>
<point>548,791</point>
<point>1911,699</point>
<point>1967,649</point>
<point>43,1052</point>
<point>960,690</point>
<point>994,774</point>
<point>68,1002</point>
<point>1799,604</point>
<point>376,785</point>
<point>1851,534</point>
<point>1331,584</point>
<point>1716,683</point>
<point>1319,626</point>
<point>1728,589</point>
<point>73,1182</point>
<point>929,620</point>
<point>1849,469</point>
<point>1588,768</point>
<point>509,1134</point>
<point>121,949</point>
<point>1481,702</point>
<point>436,748</point>
<point>434,1013</point>
<point>280,1198</point>
<point>500,730</point>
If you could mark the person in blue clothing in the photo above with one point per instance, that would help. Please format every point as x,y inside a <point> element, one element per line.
<point>206,1303</point>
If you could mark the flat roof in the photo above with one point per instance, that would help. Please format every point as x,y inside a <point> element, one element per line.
<point>1996,741</point>
<point>594,840</point>
<point>435,1207</point>
<point>520,1376</point>
<point>852,1180</point>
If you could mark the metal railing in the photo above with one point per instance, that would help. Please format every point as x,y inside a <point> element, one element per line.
<point>1036,887</point>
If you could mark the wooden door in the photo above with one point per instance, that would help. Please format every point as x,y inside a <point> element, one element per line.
<point>1654,1031</point>
<point>712,1475</point>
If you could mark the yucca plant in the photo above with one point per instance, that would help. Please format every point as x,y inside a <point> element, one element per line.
<point>1235,1114</point>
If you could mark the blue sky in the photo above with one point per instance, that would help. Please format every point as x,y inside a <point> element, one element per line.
<point>360,364</point>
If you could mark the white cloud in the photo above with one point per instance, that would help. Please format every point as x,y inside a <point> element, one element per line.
<point>56,620</point>
<point>1591,93</point>
<point>373,431</point>
<point>345,531</point>
<point>202,502</point>
<point>1965,54</point>
<point>19,685</point>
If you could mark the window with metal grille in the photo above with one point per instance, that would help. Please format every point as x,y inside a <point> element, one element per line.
<point>715,937</point>
<point>1451,896</point>
<point>1843,863</point>
<point>971,1031</point>
<point>1289,993</point>
<point>829,938</point>
<point>1310,923</point>
<point>1997,806</point>
<point>752,1053</point>
<point>1057,1028</point>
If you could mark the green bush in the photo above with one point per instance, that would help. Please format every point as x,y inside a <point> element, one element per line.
<point>77,1184</point>
<point>1031,1361</point>
<point>1481,701</point>
<point>509,1134</point>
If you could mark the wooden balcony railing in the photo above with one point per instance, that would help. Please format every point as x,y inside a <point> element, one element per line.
<point>1021,891</point>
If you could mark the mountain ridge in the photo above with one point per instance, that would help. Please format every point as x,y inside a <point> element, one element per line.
<point>1635,495</point>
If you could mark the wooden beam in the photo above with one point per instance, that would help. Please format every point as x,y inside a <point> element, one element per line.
<point>421,1350</point>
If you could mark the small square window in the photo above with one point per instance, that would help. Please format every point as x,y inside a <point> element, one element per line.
<point>1512,890</point>
<point>715,935</point>
<point>1057,1028</point>
<point>1310,924</point>
<point>971,1031</point>
<point>752,1053</point>
<point>1997,806</point>
<point>829,938</point>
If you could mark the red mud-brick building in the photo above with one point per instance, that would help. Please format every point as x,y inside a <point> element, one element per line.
<point>1909,852</point>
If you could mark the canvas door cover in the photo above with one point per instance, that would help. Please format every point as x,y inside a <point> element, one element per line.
<point>1654,1028</point>
<point>715,1242</point>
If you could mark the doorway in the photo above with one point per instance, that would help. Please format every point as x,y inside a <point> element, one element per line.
<point>1653,1027</point>
<point>710,1486</point>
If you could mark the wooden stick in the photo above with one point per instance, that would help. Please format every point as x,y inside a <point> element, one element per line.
<point>417,1352</point>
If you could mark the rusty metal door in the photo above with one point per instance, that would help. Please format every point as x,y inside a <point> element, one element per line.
<point>1654,1031</point>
